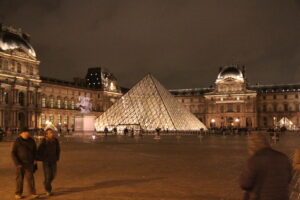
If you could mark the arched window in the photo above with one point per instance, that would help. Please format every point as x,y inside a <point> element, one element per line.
<point>66,104</point>
<point>21,98</point>
<point>58,103</point>
<point>51,102</point>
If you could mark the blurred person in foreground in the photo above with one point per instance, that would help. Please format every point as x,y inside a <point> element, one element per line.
<point>24,157</point>
<point>268,172</point>
<point>49,153</point>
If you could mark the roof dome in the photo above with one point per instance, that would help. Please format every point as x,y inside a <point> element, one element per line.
<point>11,39</point>
<point>230,72</point>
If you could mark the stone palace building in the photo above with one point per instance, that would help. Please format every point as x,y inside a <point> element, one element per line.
<point>233,102</point>
<point>27,99</point>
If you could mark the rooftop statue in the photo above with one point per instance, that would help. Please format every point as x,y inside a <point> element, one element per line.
<point>84,104</point>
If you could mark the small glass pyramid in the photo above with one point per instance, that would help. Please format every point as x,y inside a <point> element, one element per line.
<point>148,105</point>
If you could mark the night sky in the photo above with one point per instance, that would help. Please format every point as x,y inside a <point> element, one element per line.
<point>181,42</point>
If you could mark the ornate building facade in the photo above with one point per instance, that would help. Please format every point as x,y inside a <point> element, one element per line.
<point>232,102</point>
<point>26,99</point>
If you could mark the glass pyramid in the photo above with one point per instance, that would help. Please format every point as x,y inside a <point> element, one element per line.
<point>148,105</point>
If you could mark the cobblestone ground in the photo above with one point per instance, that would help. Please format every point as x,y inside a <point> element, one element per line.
<point>119,168</point>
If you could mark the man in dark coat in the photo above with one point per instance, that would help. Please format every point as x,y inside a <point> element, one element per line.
<point>49,153</point>
<point>268,172</point>
<point>24,157</point>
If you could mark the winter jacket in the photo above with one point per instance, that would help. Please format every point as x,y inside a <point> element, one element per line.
<point>49,150</point>
<point>267,176</point>
<point>24,152</point>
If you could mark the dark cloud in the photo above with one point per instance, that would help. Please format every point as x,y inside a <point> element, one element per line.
<point>181,42</point>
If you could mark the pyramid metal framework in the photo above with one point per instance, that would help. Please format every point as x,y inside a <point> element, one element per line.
<point>148,105</point>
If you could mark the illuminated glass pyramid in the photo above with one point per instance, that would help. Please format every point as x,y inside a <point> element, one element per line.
<point>148,105</point>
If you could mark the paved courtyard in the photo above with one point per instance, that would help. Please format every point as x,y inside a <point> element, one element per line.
<point>119,168</point>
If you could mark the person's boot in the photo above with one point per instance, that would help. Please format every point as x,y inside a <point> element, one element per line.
<point>17,196</point>
<point>33,196</point>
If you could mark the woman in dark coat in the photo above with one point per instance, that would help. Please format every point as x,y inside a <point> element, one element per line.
<point>49,153</point>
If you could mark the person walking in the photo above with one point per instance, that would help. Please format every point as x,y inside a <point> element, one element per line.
<point>24,157</point>
<point>268,172</point>
<point>49,154</point>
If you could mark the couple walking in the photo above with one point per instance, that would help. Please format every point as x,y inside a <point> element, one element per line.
<point>25,155</point>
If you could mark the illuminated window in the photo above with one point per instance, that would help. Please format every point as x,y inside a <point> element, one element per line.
<point>66,104</point>
<point>65,119</point>
<point>43,118</point>
<point>5,97</point>
<point>51,118</point>
<point>72,105</point>
<point>59,119</point>
<point>51,103</point>
<point>43,102</point>
<point>58,103</point>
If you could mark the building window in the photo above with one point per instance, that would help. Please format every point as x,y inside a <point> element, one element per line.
<point>264,108</point>
<point>286,107</point>
<point>5,97</point>
<point>66,119</point>
<point>59,119</point>
<point>43,118</point>
<point>274,96</point>
<point>1,63</point>
<point>51,118</point>
<point>222,109</point>
<point>51,103</point>
<point>265,121</point>
<point>72,105</point>
<point>19,68</point>
<point>43,102</point>
<point>31,70</point>
<point>297,96</point>
<point>66,104</point>
<point>21,98</point>
<point>58,103</point>
<point>230,108</point>
<point>285,96</point>
<point>275,108</point>
<point>5,65</point>
<point>238,108</point>
<point>264,97</point>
